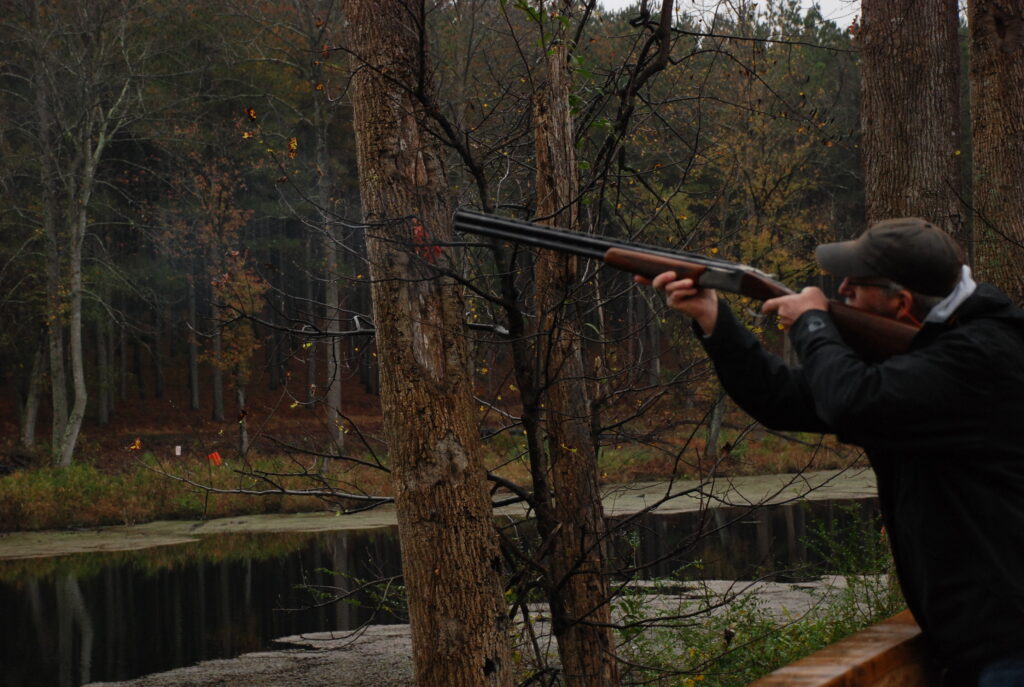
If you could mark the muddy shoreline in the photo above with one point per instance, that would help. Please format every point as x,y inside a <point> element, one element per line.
<point>668,497</point>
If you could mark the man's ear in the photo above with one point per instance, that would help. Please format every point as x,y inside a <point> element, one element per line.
<point>905,310</point>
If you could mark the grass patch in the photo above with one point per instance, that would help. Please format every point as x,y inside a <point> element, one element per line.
<point>740,452</point>
<point>83,495</point>
<point>93,491</point>
<point>732,642</point>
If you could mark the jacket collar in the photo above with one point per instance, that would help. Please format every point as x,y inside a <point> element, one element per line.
<point>961,292</point>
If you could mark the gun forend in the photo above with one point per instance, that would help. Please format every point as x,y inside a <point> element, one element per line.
<point>734,278</point>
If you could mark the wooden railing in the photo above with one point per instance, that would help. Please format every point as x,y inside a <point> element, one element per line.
<point>889,654</point>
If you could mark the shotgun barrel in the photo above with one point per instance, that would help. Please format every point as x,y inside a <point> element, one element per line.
<point>637,258</point>
<point>873,336</point>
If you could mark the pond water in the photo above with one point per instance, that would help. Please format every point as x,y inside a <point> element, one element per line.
<point>70,620</point>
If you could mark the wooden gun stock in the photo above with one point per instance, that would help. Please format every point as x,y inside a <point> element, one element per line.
<point>873,336</point>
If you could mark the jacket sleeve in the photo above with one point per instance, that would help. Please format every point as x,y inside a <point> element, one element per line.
<point>758,381</point>
<point>910,399</point>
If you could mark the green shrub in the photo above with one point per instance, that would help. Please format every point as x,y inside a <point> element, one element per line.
<point>715,641</point>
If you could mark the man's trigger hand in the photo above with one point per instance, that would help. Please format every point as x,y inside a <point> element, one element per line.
<point>790,308</point>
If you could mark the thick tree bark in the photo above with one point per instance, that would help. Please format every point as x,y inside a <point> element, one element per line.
<point>578,584</point>
<point>450,558</point>
<point>997,124</point>
<point>910,114</point>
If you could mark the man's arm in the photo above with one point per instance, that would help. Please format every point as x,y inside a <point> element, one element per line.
<point>922,398</point>
<point>757,380</point>
<point>702,304</point>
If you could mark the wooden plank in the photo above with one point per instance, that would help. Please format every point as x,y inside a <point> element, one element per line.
<point>889,654</point>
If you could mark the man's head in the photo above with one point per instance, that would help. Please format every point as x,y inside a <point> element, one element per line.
<point>907,256</point>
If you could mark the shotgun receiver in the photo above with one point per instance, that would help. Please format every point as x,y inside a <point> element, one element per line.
<point>873,336</point>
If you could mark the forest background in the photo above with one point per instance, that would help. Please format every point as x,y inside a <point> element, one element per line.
<point>184,263</point>
<point>227,258</point>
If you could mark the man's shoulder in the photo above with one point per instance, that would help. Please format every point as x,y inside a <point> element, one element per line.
<point>989,313</point>
<point>987,327</point>
<point>990,303</point>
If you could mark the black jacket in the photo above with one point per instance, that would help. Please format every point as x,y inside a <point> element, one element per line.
<point>943,427</point>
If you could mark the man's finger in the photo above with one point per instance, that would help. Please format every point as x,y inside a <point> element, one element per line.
<point>770,305</point>
<point>663,279</point>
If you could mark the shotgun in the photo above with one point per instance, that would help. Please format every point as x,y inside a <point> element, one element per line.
<point>873,336</point>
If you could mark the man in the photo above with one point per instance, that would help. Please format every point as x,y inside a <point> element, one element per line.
<point>942,425</point>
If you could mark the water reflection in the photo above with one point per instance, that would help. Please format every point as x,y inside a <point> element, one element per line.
<point>153,610</point>
<point>105,617</point>
<point>741,543</point>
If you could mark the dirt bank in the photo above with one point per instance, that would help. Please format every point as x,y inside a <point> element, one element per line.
<point>378,657</point>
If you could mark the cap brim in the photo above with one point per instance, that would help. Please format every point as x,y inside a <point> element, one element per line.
<point>842,259</point>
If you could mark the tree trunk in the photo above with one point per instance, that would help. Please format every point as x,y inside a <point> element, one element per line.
<point>334,356</point>
<point>910,113</point>
<point>997,108</point>
<point>243,425</point>
<point>311,349</point>
<point>711,453</point>
<point>140,380</point>
<point>332,291</point>
<point>278,338</point>
<point>58,384</point>
<point>30,404</point>
<point>578,590</point>
<point>102,373</point>
<point>157,356</point>
<point>332,404</point>
<point>193,347</point>
<point>122,336</point>
<point>368,376</point>
<point>653,336</point>
<point>54,261</point>
<point>111,339</point>
<point>450,558</point>
<point>81,396</point>
<point>217,377</point>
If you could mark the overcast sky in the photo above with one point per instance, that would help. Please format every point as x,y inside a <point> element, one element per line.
<point>842,12</point>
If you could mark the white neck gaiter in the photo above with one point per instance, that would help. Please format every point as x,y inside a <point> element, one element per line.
<point>946,307</point>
